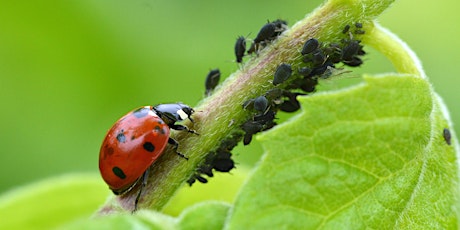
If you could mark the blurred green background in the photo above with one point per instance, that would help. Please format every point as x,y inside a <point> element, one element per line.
<point>69,69</point>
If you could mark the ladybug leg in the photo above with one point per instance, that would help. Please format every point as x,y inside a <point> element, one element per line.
<point>181,127</point>
<point>143,183</point>
<point>175,146</point>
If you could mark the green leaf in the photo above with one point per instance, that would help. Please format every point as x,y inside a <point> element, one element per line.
<point>372,156</point>
<point>141,220</point>
<point>207,215</point>
<point>52,202</point>
<point>199,192</point>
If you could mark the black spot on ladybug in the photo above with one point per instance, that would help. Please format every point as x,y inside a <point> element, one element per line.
<point>148,146</point>
<point>141,112</point>
<point>118,172</point>
<point>240,48</point>
<point>447,136</point>
<point>110,150</point>
<point>133,137</point>
<point>212,79</point>
<point>121,137</point>
<point>282,73</point>
<point>310,45</point>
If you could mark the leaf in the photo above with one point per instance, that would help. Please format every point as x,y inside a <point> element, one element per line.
<point>207,215</point>
<point>52,202</point>
<point>372,156</point>
<point>141,220</point>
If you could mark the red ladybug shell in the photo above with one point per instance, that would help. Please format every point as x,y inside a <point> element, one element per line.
<point>130,147</point>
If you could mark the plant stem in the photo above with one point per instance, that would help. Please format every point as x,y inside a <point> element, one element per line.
<point>397,51</point>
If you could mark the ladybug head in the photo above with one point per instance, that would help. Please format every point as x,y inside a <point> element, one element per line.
<point>185,112</point>
<point>170,113</point>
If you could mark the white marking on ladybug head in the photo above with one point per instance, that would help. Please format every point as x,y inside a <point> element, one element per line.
<point>182,114</point>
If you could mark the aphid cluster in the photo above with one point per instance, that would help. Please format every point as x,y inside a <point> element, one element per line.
<point>218,160</point>
<point>318,61</point>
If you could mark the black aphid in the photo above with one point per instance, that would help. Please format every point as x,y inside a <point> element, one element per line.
<point>240,48</point>
<point>282,73</point>
<point>447,136</point>
<point>310,45</point>
<point>212,79</point>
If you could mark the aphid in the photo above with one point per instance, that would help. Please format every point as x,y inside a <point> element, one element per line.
<point>354,62</point>
<point>240,48</point>
<point>357,31</point>
<point>292,104</point>
<point>309,84</point>
<point>318,58</point>
<point>321,69</point>
<point>350,50</point>
<point>212,79</point>
<point>281,26</point>
<point>267,33</point>
<point>310,45</point>
<point>447,135</point>
<point>359,25</point>
<point>206,169</point>
<point>261,104</point>
<point>251,128</point>
<point>304,71</point>
<point>346,29</point>
<point>259,123</point>
<point>333,52</point>
<point>282,73</point>
<point>274,94</point>
<point>222,162</point>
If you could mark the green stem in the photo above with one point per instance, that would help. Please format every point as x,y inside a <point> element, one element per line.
<point>221,114</point>
<point>398,52</point>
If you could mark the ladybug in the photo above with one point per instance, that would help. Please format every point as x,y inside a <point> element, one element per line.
<point>136,141</point>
